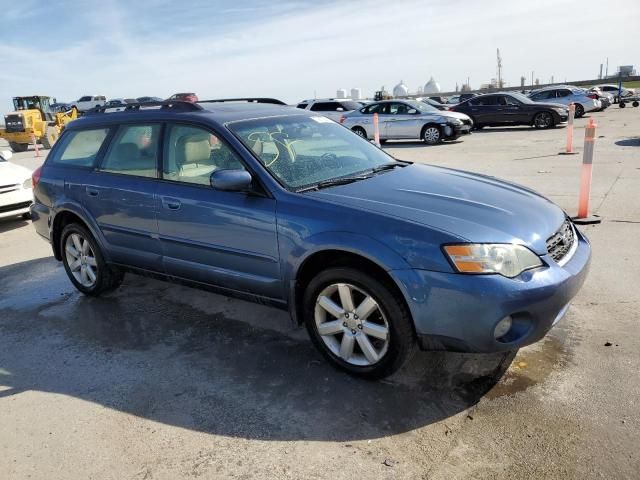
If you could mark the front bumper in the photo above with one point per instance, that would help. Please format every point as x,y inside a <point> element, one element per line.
<point>460,312</point>
<point>453,131</point>
<point>16,202</point>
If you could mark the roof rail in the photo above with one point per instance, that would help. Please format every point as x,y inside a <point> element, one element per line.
<point>174,105</point>
<point>273,101</point>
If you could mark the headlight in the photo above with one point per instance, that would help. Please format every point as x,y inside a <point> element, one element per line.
<point>455,121</point>
<point>562,111</point>
<point>509,260</point>
<point>27,183</point>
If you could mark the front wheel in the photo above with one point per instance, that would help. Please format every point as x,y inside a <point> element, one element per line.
<point>543,120</point>
<point>84,262</point>
<point>432,135</point>
<point>359,131</point>
<point>358,323</point>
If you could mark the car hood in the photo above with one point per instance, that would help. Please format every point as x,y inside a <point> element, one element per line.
<point>11,173</point>
<point>471,207</point>
<point>449,113</point>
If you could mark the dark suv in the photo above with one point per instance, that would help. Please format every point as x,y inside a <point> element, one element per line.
<point>288,208</point>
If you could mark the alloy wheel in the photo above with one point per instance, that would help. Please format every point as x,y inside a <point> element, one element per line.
<point>431,135</point>
<point>351,324</point>
<point>81,260</point>
<point>543,120</point>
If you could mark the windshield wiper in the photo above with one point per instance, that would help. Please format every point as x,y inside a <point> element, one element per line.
<point>332,183</point>
<point>386,166</point>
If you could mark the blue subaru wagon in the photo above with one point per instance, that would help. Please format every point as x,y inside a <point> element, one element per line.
<point>278,205</point>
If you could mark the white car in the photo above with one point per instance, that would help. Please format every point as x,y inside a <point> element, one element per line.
<point>613,90</point>
<point>88,102</point>
<point>333,108</point>
<point>16,194</point>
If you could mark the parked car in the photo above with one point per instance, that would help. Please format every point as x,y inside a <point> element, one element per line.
<point>466,96</point>
<point>408,119</point>
<point>88,102</point>
<point>565,95</point>
<point>433,103</point>
<point>185,97</point>
<point>606,99</point>
<point>509,108</point>
<point>16,195</point>
<point>453,99</point>
<point>59,107</point>
<point>148,99</point>
<point>613,90</point>
<point>118,103</point>
<point>332,108</point>
<point>288,208</point>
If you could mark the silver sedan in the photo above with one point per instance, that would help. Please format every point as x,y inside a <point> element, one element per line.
<point>408,119</point>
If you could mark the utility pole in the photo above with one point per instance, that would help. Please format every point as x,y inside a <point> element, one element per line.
<point>532,78</point>
<point>606,70</point>
<point>600,76</point>
<point>499,68</point>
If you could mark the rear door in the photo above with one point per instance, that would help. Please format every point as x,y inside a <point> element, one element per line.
<point>120,195</point>
<point>221,238</point>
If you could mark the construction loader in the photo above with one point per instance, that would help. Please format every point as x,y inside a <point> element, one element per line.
<point>31,119</point>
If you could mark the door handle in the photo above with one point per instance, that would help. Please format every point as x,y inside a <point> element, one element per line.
<point>92,192</point>
<point>171,203</point>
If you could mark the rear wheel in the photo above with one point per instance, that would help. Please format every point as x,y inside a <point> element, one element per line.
<point>543,120</point>
<point>579,110</point>
<point>84,262</point>
<point>359,131</point>
<point>622,104</point>
<point>49,138</point>
<point>19,147</point>
<point>635,103</point>
<point>432,135</point>
<point>358,323</point>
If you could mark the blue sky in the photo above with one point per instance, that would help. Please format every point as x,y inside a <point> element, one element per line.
<point>292,49</point>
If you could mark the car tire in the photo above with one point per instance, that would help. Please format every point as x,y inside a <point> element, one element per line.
<point>19,147</point>
<point>431,134</point>
<point>543,120</point>
<point>26,216</point>
<point>84,263</point>
<point>635,103</point>
<point>361,132</point>
<point>383,141</point>
<point>621,104</point>
<point>579,110</point>
<point>370,348</point>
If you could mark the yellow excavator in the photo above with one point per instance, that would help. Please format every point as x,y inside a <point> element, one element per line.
<point>33,118</point>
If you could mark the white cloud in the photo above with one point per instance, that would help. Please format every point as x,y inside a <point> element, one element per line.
<point>300,48</point>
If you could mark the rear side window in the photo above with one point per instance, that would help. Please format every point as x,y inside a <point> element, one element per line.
<point>80,148</point>
<point>302,105</point>
<point>373,108</point>
<point>134,151</point>
<point>325,106</point>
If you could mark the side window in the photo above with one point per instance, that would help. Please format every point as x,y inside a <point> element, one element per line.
<point>80,148</point>
<point>85,99</point>
<point>564,93</point>
<point>325,106</point>
<point>374,108</point>
<point>302,105</point>
<point>133,151</point>
<point>192,154</point>
<point>398,109</point>
<point>486,101</point>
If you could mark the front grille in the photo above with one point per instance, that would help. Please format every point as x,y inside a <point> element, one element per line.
<point>15,206</point>
<point>13,123</point>
<point>560,243</point>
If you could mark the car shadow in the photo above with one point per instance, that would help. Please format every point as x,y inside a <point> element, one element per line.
<point>185,357</point>
<point>11,223</point>
<point>418,143</point>
<point>514,129</point>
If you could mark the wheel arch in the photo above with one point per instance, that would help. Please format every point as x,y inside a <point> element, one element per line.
<point>336,257</point>
<point>72,214</point>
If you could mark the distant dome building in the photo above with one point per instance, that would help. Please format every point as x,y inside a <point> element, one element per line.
<point>400,90</point>
<point>431,87</point>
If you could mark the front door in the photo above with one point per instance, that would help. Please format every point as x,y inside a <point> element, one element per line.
<point>399,123</point>
<point>227,239</point>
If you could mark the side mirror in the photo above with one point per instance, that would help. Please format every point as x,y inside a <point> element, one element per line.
<point>339,109</point>
<point>6,154</point>
<point>412,111</point>
<point>231,180</point>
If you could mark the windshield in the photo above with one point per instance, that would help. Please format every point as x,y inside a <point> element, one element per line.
<point>423,106</point>
<point>301,151</point>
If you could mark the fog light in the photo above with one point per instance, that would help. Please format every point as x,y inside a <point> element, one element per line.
<point>502,327</point>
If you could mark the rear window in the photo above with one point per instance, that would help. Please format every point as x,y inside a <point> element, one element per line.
<point>80,148</point>
<point>325,106</point>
